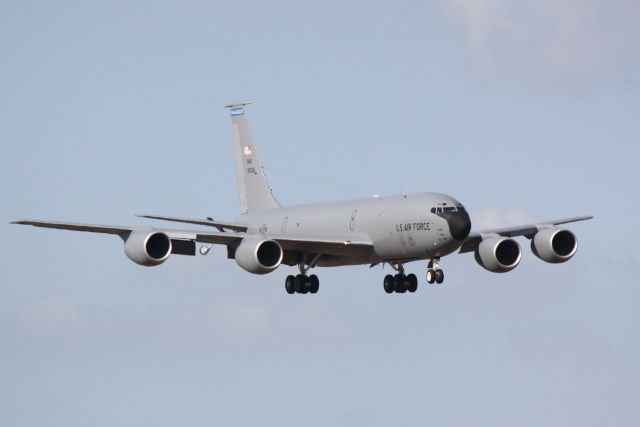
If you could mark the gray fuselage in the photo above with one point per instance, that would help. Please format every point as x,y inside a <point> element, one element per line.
<point>401,227</point>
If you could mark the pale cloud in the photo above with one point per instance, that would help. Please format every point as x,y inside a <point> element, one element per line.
<point>228,318</point>
<point>50,315</point>
<point>239,318</point>
<point>557,43</point>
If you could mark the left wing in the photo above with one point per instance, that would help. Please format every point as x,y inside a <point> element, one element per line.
<point>527,230</point>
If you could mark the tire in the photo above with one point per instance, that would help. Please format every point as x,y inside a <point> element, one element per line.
<point>439,276</point>
<point>431,276</point>
<point>313,284</point>
<point>413,283</point>
<point>388,284</point>
<point>289,284</point>
<point>301,284</point>
<point>398,283</point>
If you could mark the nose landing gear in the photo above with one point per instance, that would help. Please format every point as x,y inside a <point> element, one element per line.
<point>434,273</point>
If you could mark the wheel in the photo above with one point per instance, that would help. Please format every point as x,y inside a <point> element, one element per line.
<point>301,284</point>
<point>313,284</point>
<point>413,283</point>
<point>289,284</point>
<point>439,276</point>
<point>398,283</point>
<point>388,283</point>
<point>431,276</point>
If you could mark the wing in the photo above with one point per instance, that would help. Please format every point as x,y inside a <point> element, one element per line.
<point>527,230</point>
<point>197,236</point>
<point>328,246</point>
<point>221,226</point>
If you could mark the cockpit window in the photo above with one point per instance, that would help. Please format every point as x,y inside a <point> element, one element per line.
<point>442,208</point>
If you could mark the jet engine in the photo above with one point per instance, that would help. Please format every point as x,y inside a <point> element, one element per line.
<point>554,245</point>
<point>259,256</point>
<point>147,247</point>
<point>498,254</point>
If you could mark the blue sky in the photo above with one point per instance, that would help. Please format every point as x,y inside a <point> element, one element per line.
<point>522,110</point>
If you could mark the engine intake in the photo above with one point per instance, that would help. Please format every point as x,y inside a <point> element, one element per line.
<point>259,256</point>
<point>498,254</point>
<point>147,247</point>
<point>554,245</point>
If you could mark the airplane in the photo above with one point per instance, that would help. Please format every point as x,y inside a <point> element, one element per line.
<point>392,230</point>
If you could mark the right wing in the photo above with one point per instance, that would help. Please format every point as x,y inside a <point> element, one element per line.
<point>327,246</point>
<point>527,230</point>
<point>197,236</point>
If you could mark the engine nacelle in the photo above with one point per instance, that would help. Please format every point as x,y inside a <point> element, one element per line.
<point>259,256</point>
<point>147,247</point>
<point>498,254</point>
<point>554,245</point>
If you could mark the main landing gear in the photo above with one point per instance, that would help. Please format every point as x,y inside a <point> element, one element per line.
<point>402,283</point>
<point>301,283</point>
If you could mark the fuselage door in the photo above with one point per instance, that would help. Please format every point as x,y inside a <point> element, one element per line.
<point>352,222</point>
<point>283,229</point>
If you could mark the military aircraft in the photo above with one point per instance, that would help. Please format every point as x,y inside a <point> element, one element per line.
<point>393,230</point>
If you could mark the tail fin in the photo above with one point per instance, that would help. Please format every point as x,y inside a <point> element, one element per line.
<point>253,189</point>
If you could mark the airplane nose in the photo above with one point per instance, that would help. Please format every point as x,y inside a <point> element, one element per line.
<point>459,225</point>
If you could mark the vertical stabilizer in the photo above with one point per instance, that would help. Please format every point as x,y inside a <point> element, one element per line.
<point>253,189</point>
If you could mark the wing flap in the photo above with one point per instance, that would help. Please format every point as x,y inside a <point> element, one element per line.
<point>221,225</point>
<point>330,246</point>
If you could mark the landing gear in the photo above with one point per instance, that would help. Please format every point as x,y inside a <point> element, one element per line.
<point>388,284</point>
<point>431,276</point>
<point>301,283</point>
<point>314,284</point>
<point>400,282</point>
<point>412,285</point>
<point>289,284</point>
<point>434,273</point>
